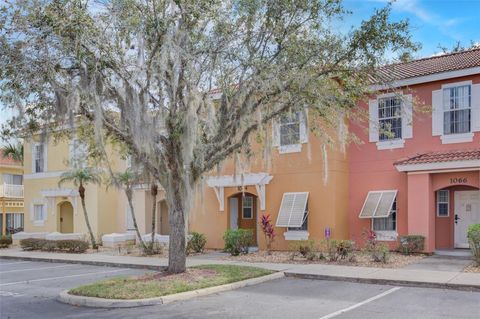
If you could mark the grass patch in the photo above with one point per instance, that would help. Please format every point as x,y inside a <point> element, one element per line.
<point>162,284</point>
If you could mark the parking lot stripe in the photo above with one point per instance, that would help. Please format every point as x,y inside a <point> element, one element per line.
<point>339,312</point>
<point>15,263</point>
<point>63,266</point>
<point>62,277</point>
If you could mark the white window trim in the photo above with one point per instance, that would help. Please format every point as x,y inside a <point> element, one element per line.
<point>251,207</point>
<point>45,157</point>
<point>459,137</point>
<point>296,235</point>
<point>397,142</point>
<point>447,202</point>
<point>292,148</point>
<point>44,209</point>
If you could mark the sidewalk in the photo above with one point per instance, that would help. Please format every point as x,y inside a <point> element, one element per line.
<point>404,277</point>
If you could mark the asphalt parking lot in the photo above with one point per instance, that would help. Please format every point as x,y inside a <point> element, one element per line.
<point>28,290</point>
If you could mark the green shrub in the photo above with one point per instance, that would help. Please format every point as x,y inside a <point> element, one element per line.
<point>473,235</point>
<point>5,241</point>
<point>411,244</point>
<point>69,246</point>
<point>380,253</point>
<point>72,245</point>
<point>196,243</point>
<point>345,249</point>
<point>237,241</point>
<point>32,243</point>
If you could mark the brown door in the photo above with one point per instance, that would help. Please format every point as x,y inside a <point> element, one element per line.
<point>247,216</point>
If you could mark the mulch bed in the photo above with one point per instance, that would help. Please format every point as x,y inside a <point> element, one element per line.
<point>472,268</point>
<point>362,259</point>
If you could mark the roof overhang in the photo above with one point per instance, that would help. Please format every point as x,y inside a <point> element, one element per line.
<point>473,164</point>
<point>239,180</point>
<point>426,79</point>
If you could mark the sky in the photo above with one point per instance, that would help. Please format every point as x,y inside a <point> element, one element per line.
<point>434,23</point>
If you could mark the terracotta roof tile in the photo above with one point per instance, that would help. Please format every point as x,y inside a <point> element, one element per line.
<point>8,160</point>
<point>427,66</point>
<point>438,157</point>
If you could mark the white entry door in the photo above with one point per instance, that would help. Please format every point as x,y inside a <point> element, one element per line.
<point>467,211</point>
<point>233,213</point>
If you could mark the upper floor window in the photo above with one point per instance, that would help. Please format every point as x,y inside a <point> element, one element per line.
<point>78,154</point>
<point>390,118</point>
<point>457,109</point>
<point>39,158</point>
<point>290,129</point>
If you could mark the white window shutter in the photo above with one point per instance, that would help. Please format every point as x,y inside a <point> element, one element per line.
<point>475,108</point>
<point>437,113</point>
<point>275,133</point>
<point>34,154</point>
<point>407,116</point>
<point>304,126</point>
<point>373,120</point>
<point>292,210</point>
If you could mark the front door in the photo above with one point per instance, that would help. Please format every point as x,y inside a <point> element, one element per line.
<point>233,212</point>
<point>66,217</point>
<point>467,212</point>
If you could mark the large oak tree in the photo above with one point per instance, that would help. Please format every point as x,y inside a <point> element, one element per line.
<point>144,70</point>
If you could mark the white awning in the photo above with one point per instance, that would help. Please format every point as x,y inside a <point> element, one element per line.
<point>292,210</point>
<point>378,204</point>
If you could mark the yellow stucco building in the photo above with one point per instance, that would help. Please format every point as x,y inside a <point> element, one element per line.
<point>11,195</point>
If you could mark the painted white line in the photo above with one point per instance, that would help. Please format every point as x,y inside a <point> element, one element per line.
<point>4,293</point>
<point>63,266</point>
<point>62,277</point>
<point>15,263</point>
<point>339,312</point>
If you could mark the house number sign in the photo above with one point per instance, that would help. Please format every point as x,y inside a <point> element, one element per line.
<point>459,180</point>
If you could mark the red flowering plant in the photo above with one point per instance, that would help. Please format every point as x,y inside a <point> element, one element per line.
<point>268,231</point>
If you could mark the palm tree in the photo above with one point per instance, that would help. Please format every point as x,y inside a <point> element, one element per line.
<point>126,180</point>
<point>81,177</point>
<point>15,151</point>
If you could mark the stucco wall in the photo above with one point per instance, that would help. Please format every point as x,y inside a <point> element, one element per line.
<point>372,169</point>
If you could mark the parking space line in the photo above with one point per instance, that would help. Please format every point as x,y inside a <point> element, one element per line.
<point>339,312</point>
<point>15,263</point>
<point>62,277</point>
<point>15,270</point>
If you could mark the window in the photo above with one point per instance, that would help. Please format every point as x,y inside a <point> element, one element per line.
<point>386,223</point>
<point>290,129</point>
<point>378,204</point>
<point>443,203</point>
<point>304,226</point>
<point>14,220</point>
<point>13,179</point>
<point>39,158</point>
<point>38,213</point>
<point>247,203</point>
<point>293,211</point>
<point>390,118</point>
<point>457,109</point>
<point>78,154</point>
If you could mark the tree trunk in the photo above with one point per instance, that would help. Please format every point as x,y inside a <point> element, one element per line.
<point>153,192</point>
<point>128,192</point>
<point>177,257</point>
<point>81,191</point>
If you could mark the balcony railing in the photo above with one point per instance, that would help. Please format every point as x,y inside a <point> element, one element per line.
<point>11,191</point>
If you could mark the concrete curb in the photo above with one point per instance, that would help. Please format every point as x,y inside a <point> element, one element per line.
<point>94,302</point>
<point>87,262</point>
<point>393,282</point>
